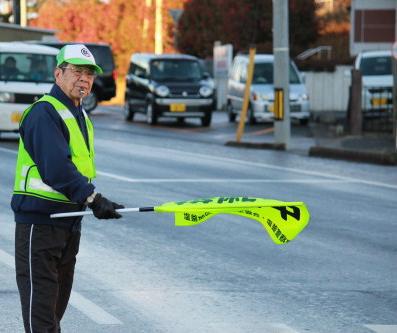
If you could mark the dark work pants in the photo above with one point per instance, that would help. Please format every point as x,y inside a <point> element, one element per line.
<point>45,257</point>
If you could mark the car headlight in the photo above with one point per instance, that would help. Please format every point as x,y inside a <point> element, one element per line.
<point>6,97</point>
<point>266,97</point>
<point>304,97</point>
<point>205,91</point>
<point>162,91</point>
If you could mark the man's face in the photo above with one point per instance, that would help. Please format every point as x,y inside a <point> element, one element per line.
<point>75,81</point>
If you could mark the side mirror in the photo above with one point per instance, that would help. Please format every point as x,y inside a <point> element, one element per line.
<point>206,75</point>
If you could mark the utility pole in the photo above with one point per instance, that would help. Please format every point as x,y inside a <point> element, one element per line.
<point>158,38</point>
<point>16,11</point>
<point>282,124</point>
<point>19,12</point>
<point>146,18</point>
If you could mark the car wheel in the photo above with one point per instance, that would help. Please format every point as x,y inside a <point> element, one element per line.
<point>251,116</point>
<point>206,120</point>
<point>151,116</point>
<point>231,115</point>
<point>90,102</point>
<point>128,113</point>
<point>303,121</point>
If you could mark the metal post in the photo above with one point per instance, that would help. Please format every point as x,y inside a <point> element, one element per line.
<point>158,38</point>
<point>282,128</point>
<point>23,13</point>
<point>394,64</point>
<point>16,11</point>
<point>355,112</point>
<point>247,93</point>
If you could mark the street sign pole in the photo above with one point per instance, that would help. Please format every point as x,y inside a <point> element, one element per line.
<point>394,66</point>
<point>282,124</point>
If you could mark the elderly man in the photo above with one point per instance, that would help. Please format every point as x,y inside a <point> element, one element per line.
<point>55,167</point>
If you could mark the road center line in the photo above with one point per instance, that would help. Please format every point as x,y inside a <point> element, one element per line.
<point>262,165</point>
<point>90,309</point>
<point>257,164</point>
<point>382,328</point>
<point>215,180</point>
<point>7,259</point>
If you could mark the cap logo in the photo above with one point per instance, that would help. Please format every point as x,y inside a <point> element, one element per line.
<point>85,52</point>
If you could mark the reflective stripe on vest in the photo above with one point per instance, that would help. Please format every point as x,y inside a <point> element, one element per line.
<point>27,177</point>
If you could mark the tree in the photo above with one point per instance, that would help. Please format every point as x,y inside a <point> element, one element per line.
<point>91,21</point>
<point>118,22</point>
<point>241,23</point>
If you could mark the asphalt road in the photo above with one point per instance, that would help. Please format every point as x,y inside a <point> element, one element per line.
<point>143,274</point>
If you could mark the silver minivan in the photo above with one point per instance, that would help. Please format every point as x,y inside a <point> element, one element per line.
<point>262,90</point>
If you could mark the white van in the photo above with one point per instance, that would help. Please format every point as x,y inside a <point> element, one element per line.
<point>262,90</point>
<point>26,74</point>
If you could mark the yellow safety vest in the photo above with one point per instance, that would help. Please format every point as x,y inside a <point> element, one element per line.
<point>27,177</point>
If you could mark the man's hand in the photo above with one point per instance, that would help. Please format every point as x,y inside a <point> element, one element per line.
<point>104,208</point>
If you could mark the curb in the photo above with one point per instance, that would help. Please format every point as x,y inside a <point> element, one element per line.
<point>354,155</point>
<point>253,145</point>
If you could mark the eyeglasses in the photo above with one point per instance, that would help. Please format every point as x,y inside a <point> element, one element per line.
<point>79,71</point>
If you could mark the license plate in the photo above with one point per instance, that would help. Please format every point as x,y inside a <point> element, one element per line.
<point>16,117</point>
<point>379,101</point>
<point>177,107</point>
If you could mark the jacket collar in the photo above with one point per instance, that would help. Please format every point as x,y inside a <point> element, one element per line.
<point>57,92</point>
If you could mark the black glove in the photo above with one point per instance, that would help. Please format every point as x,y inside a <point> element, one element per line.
<point>104,208</point>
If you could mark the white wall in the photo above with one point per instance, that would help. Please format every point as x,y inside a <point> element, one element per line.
<point>329,91</point>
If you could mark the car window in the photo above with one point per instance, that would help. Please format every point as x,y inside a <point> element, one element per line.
<point>263,74</point>
<point>27,67</point>
<point>103,56</point>
<point>175,69</point>
<point>243,72</point>
<point>235,75</point>
<point>376,66</point>
<point>137,70</point>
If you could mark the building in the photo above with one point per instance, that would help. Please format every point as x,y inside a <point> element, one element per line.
<point>14,32</point>
<point>373,25</point>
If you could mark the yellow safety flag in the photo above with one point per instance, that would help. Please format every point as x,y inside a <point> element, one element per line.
<point>282,220</point>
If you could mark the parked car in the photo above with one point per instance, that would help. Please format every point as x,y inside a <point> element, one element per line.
<point>104,87</point>
<point>172,85</point>
<point>377,79</point>
<point>262,90</point>
<point>26,74</point>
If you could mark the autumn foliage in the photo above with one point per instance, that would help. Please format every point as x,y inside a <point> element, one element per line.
<point>242,23</point>
<point>119,23</point>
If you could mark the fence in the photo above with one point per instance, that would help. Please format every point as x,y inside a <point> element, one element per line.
<point>377,108</point>
<point>329,91</point>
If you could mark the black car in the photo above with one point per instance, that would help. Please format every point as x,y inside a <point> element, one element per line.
<point>168,85</point>
<point>104,87</point>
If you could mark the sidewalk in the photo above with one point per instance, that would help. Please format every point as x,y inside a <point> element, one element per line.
<point>326,140</point>
<point>375,148</point>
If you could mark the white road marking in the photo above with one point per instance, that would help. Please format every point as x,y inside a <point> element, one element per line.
<point>382,328</point>
<point>215,180</point>
<point>228,160</point>
<point>249,163</point>
<point>90,309</point>
<point>7,259</point>
<point>6,150</point>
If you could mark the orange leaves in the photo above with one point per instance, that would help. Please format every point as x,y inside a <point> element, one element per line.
<point>119,23</point>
